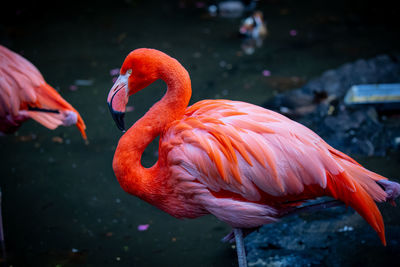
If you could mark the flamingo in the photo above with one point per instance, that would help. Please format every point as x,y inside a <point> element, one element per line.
<point>25,94</point>
<point>244,164</point>
<point>254,26</point>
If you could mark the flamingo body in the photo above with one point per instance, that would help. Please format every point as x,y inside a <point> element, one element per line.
<point>24,94</point>
<point>244,164</point>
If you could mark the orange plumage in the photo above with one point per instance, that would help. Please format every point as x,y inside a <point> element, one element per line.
<point>25,94</point>
<point>245,164</point>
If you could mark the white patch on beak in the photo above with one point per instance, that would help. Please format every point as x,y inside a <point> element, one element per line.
<point>123,79</point>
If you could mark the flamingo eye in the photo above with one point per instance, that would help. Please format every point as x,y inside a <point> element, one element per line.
<point>129,71</point>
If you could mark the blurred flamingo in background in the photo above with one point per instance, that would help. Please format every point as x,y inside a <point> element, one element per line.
<point>254,30</point>
<point>254,26</point>
<point>246,165</point>
<point>24,94</point>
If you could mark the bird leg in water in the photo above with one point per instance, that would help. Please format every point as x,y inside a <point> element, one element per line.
<point>241,253</point>
<point>2,244</point>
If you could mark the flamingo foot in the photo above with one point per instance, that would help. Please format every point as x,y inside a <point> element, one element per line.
<point>241,253</point>
<point>392,190</point>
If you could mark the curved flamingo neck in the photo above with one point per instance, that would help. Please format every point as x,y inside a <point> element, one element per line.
<point>132,176</point>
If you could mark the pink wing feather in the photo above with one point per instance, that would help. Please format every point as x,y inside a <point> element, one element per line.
<point>242,162</point>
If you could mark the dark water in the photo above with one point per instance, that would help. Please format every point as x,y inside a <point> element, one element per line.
<point>62,205</point>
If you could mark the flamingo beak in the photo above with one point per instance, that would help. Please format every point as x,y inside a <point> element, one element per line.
<point>118,118</point>
<point>117,100</point>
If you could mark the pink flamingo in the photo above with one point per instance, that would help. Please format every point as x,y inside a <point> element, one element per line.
<point>25,94</point>
<point>246,165</point>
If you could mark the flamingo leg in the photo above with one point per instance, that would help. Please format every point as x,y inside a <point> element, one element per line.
<point>2,244</point>
<point>241,253</point>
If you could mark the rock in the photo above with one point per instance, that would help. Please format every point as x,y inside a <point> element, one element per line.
<point>291,99</point>
<point>319,105</point>
<point>345,121</point>
<point>299,240</point>
<point>372,115</point>
<point>364,147</point>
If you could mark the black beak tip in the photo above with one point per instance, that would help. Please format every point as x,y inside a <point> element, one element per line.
<point>118,118</point>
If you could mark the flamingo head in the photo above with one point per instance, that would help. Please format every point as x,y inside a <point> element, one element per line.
<point>139,70</point>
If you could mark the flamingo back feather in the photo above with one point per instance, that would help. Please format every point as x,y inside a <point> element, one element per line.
<point>233,151</point>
